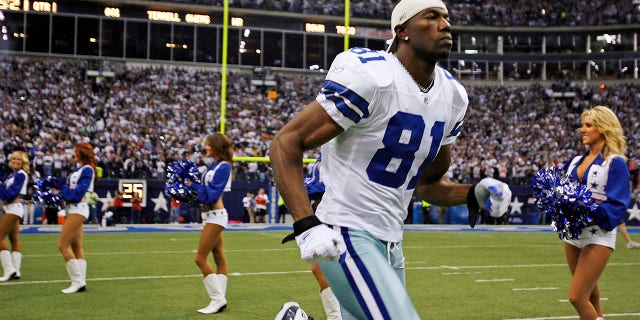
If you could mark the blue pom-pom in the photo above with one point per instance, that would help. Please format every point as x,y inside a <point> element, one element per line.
<point>44,191</point>
<point>178,172</point>
<point>565,201</point>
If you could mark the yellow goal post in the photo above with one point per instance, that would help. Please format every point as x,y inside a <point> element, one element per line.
<point>266,159</point>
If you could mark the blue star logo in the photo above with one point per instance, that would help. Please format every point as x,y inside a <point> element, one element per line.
<point>594,231</point>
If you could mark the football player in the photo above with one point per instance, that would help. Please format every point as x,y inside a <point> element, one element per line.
<point>385,121</point>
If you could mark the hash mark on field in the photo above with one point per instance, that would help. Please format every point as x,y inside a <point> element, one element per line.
<point>236,274</point>
<point>535,289</point>
<point>457,273</point>
<point>494,280</point>
<point>120,253</point>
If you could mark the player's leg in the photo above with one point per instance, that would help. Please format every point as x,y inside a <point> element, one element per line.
<point>329,301</point>
<point>369,279</point>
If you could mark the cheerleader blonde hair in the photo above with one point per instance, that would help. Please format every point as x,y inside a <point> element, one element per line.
<point>608,125</point>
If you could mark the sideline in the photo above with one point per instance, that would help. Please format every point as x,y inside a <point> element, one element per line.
<point>93,228</point>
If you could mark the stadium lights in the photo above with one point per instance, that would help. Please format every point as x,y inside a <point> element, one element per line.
<point>173,46</point>
<point>237,22</point>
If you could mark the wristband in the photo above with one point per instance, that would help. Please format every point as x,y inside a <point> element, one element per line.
<point>472,205</point>
<point>301,226</point>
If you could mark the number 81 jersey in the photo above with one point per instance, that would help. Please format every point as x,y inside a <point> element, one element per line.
<point>392,131</point>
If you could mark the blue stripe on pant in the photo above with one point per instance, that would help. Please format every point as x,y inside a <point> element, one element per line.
<point>369,279</point>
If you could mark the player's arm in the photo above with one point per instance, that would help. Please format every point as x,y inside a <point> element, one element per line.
<point>311,128</point>
<point>435,186</point>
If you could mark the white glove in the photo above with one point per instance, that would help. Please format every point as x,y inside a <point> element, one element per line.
<point>494,196</point>
<point>320,243</point>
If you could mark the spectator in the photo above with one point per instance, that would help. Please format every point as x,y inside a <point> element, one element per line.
<point>51,210</point>
<point>282,210</point>
<point>118,207</point>
<point>174,217</point>
<point>29,207</point>
<point>136,209</point>
<point>247,203</point>
<point>261,206</point>
<point>106,216</point>
<point>159,112</point>
<point>92,199</point>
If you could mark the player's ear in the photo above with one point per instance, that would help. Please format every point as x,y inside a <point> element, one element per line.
<point>400,30</point>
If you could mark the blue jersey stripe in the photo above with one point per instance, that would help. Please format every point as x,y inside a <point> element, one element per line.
<point>365,274</point>
<point>456,130</point>
<point>337,93</point>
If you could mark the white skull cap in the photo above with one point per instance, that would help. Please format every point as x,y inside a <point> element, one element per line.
<point>405,10</point>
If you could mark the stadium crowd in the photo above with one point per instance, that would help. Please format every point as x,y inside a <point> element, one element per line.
<point>464,12</point>
<point>149,116</point>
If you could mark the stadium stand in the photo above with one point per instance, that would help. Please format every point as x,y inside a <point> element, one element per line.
<point>464,12</point>
<point>141,113</point>
<point>149,115</point>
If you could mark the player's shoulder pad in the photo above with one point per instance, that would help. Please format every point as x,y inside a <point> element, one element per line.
<point>363,65</point>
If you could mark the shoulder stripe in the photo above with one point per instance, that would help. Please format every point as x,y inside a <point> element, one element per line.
<point>345,100</point>
<point>456,130</point>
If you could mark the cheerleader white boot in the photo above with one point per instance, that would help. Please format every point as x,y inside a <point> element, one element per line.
<point>16,256</point>
<point>216,286</point>
<point>83,270</point>
<point>74,269</point>
<point>7,266</point>
<point>330,304</point>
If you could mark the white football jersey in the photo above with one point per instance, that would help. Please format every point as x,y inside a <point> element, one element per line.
<point>392,131</point>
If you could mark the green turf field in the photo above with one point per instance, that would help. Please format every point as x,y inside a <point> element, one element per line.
<point>450,275</point>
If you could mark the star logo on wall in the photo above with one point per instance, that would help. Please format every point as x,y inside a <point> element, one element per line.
<point>516,205</point>
<point>106,201</point>
<point>634,213</point>
<point>160,203</point>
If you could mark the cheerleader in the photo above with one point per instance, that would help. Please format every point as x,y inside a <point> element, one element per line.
<point>79,182</point>
<point>215,181</point>
<point>604,170</point>
<point>13,188</point>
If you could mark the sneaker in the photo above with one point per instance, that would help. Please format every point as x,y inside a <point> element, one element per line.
<point>633,245</point>
<point>292,311</point>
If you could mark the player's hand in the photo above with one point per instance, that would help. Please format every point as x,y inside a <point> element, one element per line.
<point>320,243</point>
<point>494,196</point>
<point>316,241</point>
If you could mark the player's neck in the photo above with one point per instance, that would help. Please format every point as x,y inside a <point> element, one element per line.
<point>421,71</point>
